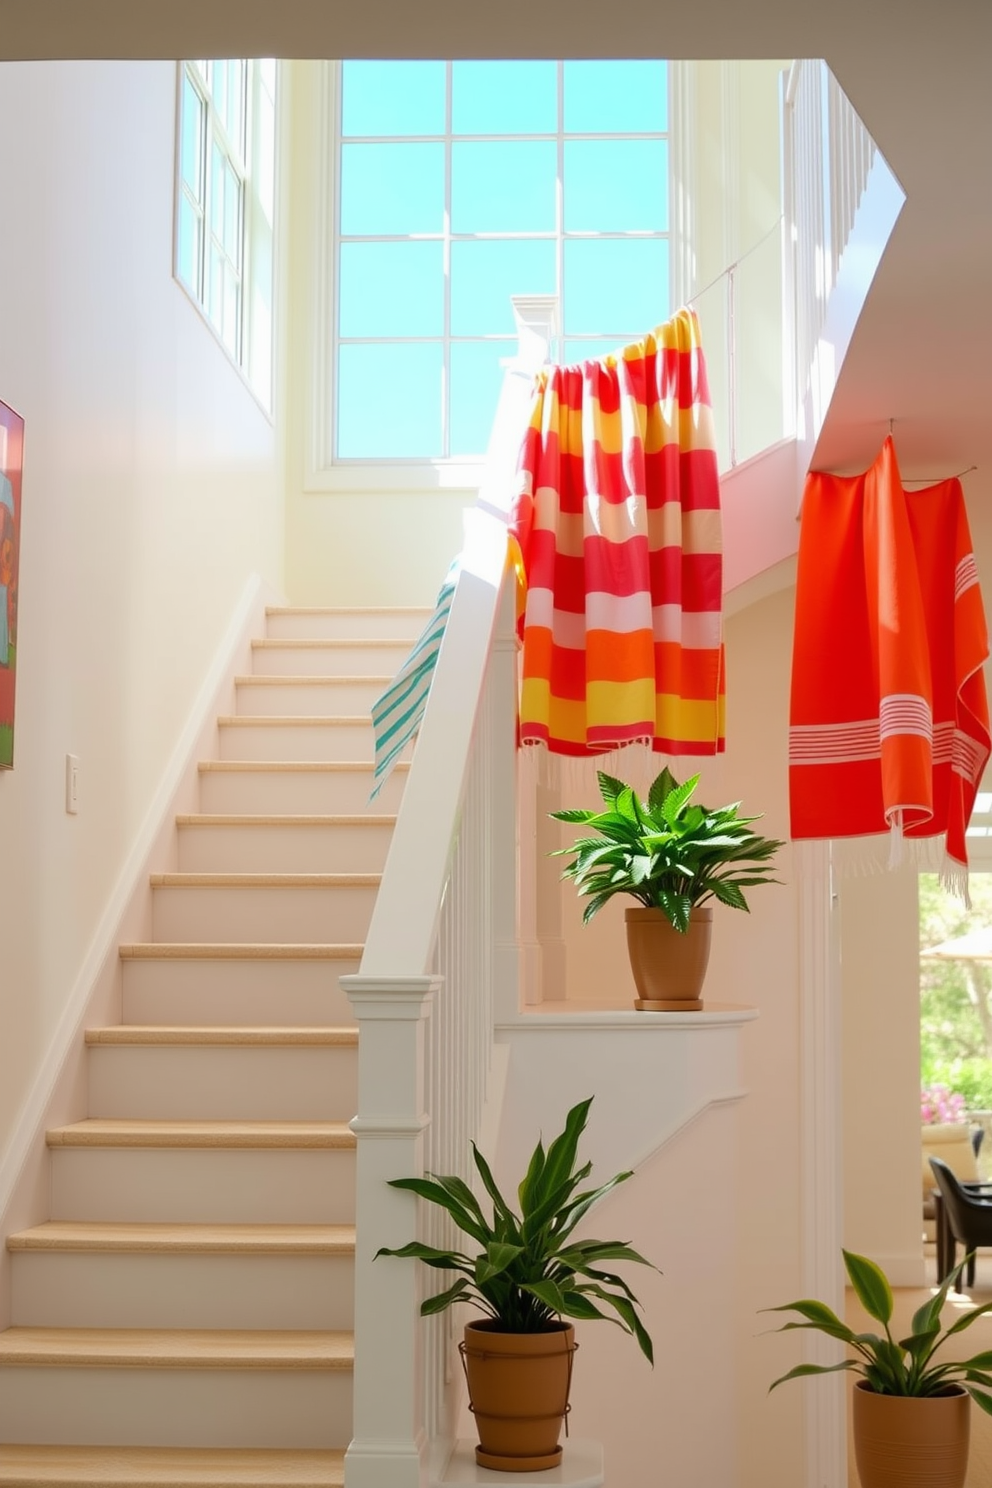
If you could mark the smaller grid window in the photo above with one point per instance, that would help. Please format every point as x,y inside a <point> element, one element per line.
<point>463,183</point>
<point>226,204</point>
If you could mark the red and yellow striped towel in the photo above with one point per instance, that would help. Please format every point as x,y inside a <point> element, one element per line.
<point>618,522</point>
<point>889,722</point>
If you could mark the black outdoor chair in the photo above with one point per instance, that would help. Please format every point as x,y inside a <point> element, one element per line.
<point>964,1215</point>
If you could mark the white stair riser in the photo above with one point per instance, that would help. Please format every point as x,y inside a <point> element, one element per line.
<point>343,624</point>
<point>355,660</point>
<point>350,696</point>
<point>290,792</point>
<point>307,913</point>
<point>222,1084</point>
<point>56,1289</point>
<point>264,993</point>
<point>190,1186</point>
<point>176,1407</point>
<point>309,848</point>
<point>306,742</point>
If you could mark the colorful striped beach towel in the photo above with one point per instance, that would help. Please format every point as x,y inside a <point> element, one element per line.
<point>889,722</point>
<point>617,518</point>
<point>397,713</point>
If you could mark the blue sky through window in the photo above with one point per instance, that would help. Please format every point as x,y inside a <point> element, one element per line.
<point>463,183</point>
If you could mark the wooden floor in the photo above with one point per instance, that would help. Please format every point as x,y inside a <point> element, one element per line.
<point>977,1338</point>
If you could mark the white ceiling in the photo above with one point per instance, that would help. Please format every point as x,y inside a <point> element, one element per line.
<point>919,73</point>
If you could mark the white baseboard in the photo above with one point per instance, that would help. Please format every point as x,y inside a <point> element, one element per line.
<point>57,1082</point>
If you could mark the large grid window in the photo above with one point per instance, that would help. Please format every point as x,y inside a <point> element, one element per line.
<point>462,183</point>
<point>226,204</point>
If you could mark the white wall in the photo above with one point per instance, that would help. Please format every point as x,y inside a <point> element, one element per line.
<point>151,493</point>
<point>880,982</point>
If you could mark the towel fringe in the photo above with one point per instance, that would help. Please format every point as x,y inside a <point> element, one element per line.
<point>863,857</point>
<point>575,775</point>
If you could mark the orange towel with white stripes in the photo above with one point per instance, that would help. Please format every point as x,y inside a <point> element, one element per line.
<point>617,517</point>
<point>889,721</point>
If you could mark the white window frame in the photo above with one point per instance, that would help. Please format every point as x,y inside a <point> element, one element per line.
<point>323,471</point>
<point>252,353</point>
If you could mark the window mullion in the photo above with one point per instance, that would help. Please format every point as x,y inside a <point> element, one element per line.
<point>446,329</point>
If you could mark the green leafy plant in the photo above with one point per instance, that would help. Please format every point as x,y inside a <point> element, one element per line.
<point>891,1367</point>
<point>668,852</point>
<point>529,1270</point>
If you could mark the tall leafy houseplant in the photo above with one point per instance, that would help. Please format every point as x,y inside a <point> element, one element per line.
<point>527,1273</point>
<point>672,855</point>
<point>910,1401</point>
<point>668,852</point>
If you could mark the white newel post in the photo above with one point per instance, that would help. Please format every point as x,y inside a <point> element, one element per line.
<point>388,1449</point>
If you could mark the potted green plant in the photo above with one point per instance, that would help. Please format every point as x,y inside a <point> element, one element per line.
<point>528,1274</point>
<point>911,1409</point>
<point>672,855</point>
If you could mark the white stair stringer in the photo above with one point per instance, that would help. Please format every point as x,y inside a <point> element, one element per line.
<point>183,1317</point>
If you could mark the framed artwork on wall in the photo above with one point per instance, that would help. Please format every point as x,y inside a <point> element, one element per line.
<point>11,458</point>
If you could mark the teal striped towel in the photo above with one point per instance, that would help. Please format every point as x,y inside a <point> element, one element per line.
<point>396,715</point>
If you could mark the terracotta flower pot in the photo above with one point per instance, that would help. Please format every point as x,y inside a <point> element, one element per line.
<point>899,1440</point>
<point>518,1387</point>
<point>668,967</point>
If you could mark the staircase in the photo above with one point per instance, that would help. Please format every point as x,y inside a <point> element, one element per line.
<point>184,1316</point>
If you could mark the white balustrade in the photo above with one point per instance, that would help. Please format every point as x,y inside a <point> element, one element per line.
<point>828,156</point>
<point>441,954</point>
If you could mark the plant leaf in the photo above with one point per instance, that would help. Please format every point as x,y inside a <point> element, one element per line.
<point>546,1292</point>
<point>967,1318</point>
<point>443,1300</point>
<point>498,1256</point>
<point>424,1188</point>
<point>441,1260</point>
<point>501,1206</point>
<point>802,1370</point>
<point>871,1286</point>
<point>609,787</point>
<point>980,1399</point>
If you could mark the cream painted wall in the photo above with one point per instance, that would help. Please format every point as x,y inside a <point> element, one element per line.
<point>151,492</point>
<point>880,985</point>
<point>345,547</point>
<point>754,961</point>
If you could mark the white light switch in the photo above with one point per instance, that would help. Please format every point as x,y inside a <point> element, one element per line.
<point>72,784</point>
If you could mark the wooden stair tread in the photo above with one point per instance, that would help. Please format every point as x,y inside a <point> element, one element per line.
<point>288,767</point>
<point>348,610</point>
<point>263,880</point>
<point>236,950</point>
<point>272,819</point>
<point>319,679</point>
<point>186,1239</point>
<point>332,643</point>
<point>203,1134</point>
<point>141,1034</point>
<point>294,720</point>
<point>170,1467</point>
<point>176,1348</point>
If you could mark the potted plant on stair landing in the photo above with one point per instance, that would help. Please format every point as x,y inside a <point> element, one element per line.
<point>672,855</point>
<point>911,1409</point>
<point>528,1274</point>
